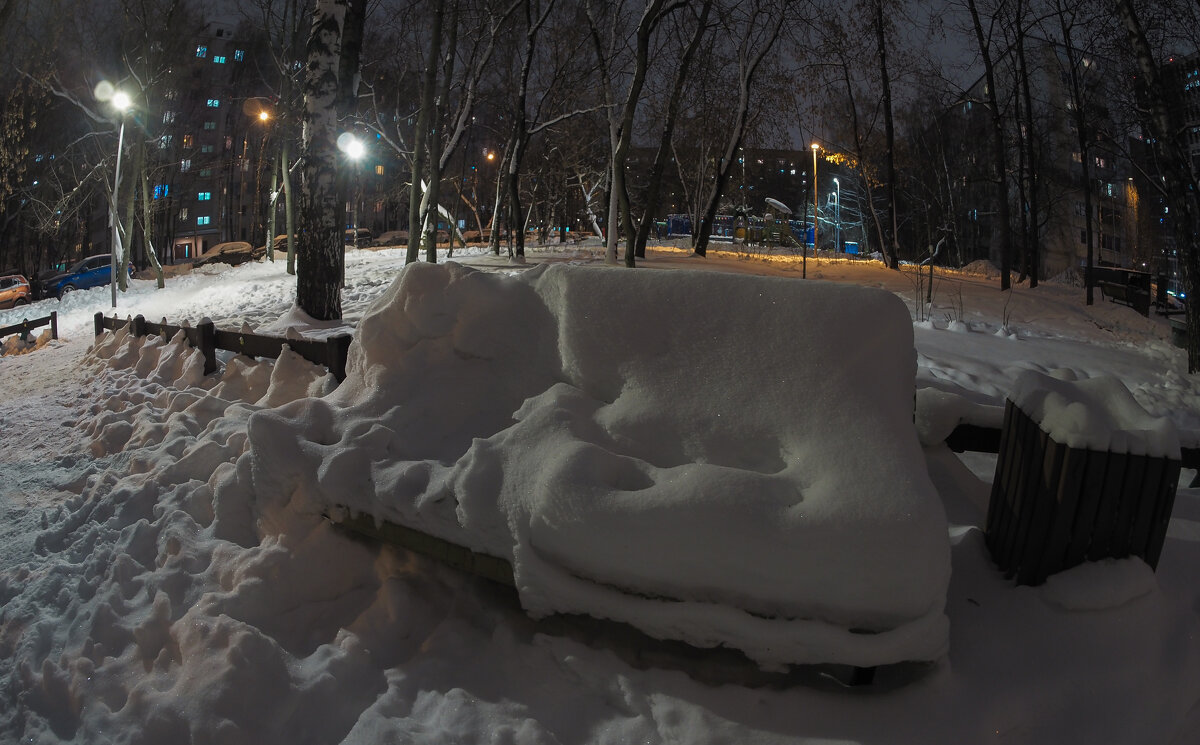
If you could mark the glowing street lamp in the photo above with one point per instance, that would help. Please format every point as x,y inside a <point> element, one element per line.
<point>837,240</point>
<point>354,149</point>
<point>816,201</point>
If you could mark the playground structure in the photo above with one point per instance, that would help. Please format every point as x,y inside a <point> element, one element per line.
<point>774,228</point>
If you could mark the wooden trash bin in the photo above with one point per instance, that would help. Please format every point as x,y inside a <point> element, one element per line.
<point>1053,506</point>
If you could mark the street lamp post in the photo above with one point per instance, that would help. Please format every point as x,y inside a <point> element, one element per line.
<point>354,149</point>
<point>120,101</point>
<point>837,239</point>
<point>264,117</point>
<point>816,201</point>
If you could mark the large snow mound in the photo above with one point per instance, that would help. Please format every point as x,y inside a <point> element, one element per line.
<point>741,477</point>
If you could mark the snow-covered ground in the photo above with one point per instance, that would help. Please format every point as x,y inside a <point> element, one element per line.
<point>151,594</point>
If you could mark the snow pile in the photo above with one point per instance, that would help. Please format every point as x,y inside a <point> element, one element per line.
<point>170,600</point>
<point>1099,585</point>
<point>14,344</point>
<point>1094,414</point>
<point>939,412</point>
<point>982,268</point>
<point>519,416</point>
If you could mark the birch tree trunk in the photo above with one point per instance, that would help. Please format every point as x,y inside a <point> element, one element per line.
<point>330,82</point>
<point>289,209</point>
<point>272,205</point>
<point>147,218</point>
<point>431,203</point>
<point>128,193</point>
<point>425,119</point>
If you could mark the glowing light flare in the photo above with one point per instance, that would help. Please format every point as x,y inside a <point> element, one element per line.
<point>351,146</point>
<point>106,92</point>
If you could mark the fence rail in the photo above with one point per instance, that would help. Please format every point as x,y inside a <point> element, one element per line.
<point>24,327</point>
<point>208,339</point>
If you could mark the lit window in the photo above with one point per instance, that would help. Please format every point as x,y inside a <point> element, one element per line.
<point>202,51</point>
<point>210,125</point>
<point>168,117</point>
<point>220,60</point>
<point>238,55</point>
<point>203,220</point>
<point>213,103</point>
<point>161,190</point>
<point>164,142</point>
<point>204,196</point>
<point>187,141</point>
<point>185,164</point>
<point>205,172</point>
<point>379,170</point>
<point>183,214</point>
<point>206,148</point>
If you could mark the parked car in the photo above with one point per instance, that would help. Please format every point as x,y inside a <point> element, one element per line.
<point>233,253</point>
<point>14,291</point>
<point>91,272</point>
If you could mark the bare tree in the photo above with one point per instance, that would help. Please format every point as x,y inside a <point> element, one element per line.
<point>984,38</point>
<point>757,25</point>
<point>609,41</point>
<point>699,20</point>
<point>1182,185</point>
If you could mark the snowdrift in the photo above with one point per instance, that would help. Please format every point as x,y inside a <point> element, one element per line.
<point>743,470</point>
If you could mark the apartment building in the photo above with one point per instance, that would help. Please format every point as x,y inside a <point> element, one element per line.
<point>213,153</point>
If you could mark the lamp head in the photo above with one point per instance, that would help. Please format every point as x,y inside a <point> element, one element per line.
<point>351,146</point>
<point>121,101</point>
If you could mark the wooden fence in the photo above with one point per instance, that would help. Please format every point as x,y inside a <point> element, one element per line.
<point>24,327</point>
<point>208,339</point>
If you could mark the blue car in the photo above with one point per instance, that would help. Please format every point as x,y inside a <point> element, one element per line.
<point>91,272</point>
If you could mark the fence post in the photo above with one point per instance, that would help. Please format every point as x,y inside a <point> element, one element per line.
<point>208,345</point>
<point>138,326</point>
<point>99,322</point>
<point>336,350</point>
<point>54,324</point>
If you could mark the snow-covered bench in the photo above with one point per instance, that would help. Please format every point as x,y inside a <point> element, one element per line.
<point>723,460</point>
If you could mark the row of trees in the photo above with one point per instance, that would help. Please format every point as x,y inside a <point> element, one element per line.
<point>623,109</point>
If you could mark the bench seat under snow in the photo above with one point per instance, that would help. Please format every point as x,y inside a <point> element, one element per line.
<point>719,459</point>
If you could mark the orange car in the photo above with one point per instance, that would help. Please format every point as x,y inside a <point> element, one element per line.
<point>14,291</point>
